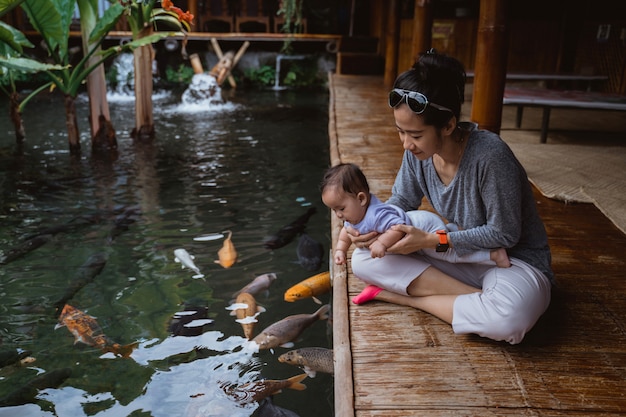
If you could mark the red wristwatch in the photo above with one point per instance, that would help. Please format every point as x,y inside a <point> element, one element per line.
<point>443,244</point>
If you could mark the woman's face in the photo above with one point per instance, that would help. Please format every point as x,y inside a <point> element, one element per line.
<point>422,140</point>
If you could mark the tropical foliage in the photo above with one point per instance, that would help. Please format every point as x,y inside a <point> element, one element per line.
<point>52,19</point>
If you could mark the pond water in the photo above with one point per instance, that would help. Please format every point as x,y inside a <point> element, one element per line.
<point>249,166</point>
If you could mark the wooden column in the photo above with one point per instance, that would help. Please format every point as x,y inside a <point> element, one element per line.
<point>392,35</point>
<point>490,67</point>
<point>192,7</point>
<point>422,27</point>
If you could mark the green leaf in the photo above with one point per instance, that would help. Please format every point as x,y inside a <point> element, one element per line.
<point>147,40</point>
<point>7,5</point>
<point>107,22</point>
<point>170,21</point>
<point>13,38</point>
<point>46,20</point>
<point>27,65</point>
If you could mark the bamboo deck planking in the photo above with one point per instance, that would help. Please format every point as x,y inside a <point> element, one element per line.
<point>395,361</point>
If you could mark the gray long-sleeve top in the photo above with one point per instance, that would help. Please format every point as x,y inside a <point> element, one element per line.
<point>490,199</point>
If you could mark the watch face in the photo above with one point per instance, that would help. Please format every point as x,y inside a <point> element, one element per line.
<point>442,248</point>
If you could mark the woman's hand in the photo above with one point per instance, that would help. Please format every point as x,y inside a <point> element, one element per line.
<point>361,241</point>
<point>413,240</point>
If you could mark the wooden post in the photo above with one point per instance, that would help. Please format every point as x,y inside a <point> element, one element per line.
<point>490,67</point>
<point>392,34</point>
<point>422,28</point>
<point>192,7</point>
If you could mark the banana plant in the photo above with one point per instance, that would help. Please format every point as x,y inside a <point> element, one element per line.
<point>143,17</point>
<point>103,137</point>
<point>13,67</point>
<point>51,19</point>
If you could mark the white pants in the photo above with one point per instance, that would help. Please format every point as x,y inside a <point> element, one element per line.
<point>511,301</point>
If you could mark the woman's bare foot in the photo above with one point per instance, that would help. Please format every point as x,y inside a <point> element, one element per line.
<point>500,257</point>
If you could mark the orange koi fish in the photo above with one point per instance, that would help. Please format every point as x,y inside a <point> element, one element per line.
<point>227,254</point>
<point>258,390</point>
<point>246,311</point>
<point>310,287</point>
<point>86,330</point>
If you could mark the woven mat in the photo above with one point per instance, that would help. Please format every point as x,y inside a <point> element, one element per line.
<point>577,173</point>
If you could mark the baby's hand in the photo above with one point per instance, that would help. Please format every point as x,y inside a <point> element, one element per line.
<point>340,257</point>
<point>377,250</point>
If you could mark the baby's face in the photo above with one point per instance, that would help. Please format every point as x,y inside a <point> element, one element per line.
<point>347,207</point>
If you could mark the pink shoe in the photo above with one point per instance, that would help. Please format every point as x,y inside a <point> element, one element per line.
<point>367,294</point>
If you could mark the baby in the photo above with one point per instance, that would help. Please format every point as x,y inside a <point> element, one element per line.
<point>346,192</point>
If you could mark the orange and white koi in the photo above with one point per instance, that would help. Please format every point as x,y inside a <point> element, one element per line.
<point>246,310</point>
<point>311,287</point>
<point>86,330</point>
<point>227,254</point>
<point>258,390</point>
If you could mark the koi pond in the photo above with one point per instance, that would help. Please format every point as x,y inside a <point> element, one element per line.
<point>106,232</point>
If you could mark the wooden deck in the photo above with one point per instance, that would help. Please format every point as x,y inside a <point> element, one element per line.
<point>396,361</point>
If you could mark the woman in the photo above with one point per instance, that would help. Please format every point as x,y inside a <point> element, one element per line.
<point>472,179</point>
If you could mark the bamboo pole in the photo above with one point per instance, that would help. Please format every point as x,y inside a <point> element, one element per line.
<point>422,27</point>
<point>194,59</point>
<point>490,67</point>
<point>220,56</point>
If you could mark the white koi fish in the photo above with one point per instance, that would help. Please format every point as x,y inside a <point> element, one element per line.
<point>186,260</point>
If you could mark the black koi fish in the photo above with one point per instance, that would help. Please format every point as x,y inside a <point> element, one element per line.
<point>290,231</point>
<point>310,253</point>
<point>27,393</point>
<point>86,274</point>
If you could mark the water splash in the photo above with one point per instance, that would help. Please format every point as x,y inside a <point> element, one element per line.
<point>203,91</point>
<point>124,90</point>
<point>124,78</point>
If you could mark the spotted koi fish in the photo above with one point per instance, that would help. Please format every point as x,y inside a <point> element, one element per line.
<point>86,330</point>
<point>258,390</point>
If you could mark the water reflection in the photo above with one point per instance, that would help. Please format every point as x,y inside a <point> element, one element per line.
<point>251,165</point>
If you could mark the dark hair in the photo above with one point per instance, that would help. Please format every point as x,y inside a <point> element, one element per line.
<point>347,176</point>
<point>441,79</point>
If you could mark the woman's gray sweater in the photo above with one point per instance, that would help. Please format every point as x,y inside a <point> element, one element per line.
<point>490,199</point>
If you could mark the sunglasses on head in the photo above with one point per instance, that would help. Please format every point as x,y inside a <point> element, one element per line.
<point>417,102</point>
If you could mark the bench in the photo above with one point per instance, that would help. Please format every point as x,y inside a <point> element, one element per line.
<point>548,99</point>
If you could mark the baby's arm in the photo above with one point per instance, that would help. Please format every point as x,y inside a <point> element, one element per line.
<point>341,249</point>
<point>387,239</point>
